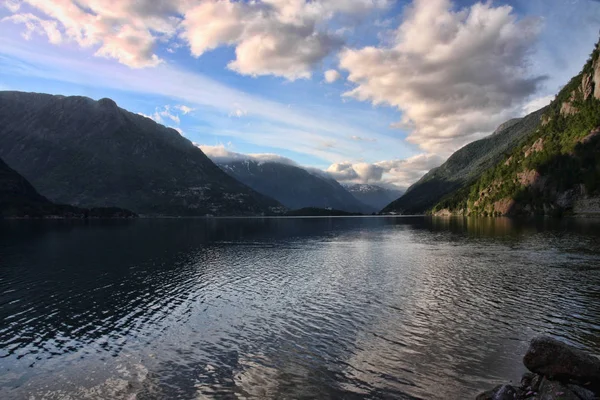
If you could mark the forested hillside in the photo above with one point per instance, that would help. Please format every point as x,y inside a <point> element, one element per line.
<point>556,170</point>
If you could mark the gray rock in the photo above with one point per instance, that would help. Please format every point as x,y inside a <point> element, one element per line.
<point>506,392</point>
<point>582,393</point>
<point>551,358</point>
<point>554,390</point>
<point>488,395</point>
<point>501,392</point>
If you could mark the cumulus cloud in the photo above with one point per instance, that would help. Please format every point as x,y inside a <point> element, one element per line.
<point>271,37</point>
<point>400,173</point>
<point>279,37</point>
<point>220,154</point>
<point>454,74</point>
<point>332,75</point>
<point>124,30</point>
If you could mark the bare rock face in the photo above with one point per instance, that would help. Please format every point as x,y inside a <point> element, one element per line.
<point>597,79</point>
<point>554,359</point>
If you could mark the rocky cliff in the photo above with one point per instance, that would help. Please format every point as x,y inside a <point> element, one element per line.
<point>78,151</point>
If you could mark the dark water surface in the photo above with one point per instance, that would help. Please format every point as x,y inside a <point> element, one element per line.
<point>288,308</point>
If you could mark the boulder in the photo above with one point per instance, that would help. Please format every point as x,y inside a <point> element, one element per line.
<point>502,392</point>
<point>556,360</point>
<point>554,390</point>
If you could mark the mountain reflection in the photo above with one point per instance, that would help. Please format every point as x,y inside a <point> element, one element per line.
<point>271,308</point>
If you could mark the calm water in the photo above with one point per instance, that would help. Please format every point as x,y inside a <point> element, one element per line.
<point>288,308</point>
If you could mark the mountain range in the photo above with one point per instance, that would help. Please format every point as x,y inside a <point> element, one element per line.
<point>374,196</point>
<point>87,153</point>
<point>295,187</point>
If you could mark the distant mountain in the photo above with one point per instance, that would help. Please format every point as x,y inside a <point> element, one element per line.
<point>555,170</point>
<point>319,212</point>
<point>464,166</point>
<point>292,186</point>
<point>373,195</point>
<point>19,199</point>
<point>78,151</point>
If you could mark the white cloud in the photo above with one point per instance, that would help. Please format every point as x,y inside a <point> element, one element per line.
<point>332,75</point>
<point>401,173</point>
<point>184,109</point>
<point>454,75</point>
<point>162,114</point>
<point>537,103</point>
<point>124,30</point>
<point>271,37</point>
<point>280,37</point>
<point>34,24</point>
<point>221,155</point>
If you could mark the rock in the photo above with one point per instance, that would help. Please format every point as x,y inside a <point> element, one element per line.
<point>506,392</point>
<point>535,383</point>
<point>488,395</point>
<point>582,393</point>
<point>551,358</point>
<point>597,79</point>
<point>554,390</point>
<point>501,392</point>
<point>527,379</point>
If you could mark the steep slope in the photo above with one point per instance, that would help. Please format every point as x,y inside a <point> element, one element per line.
<point>373,195</point>
<point>294,187</point>
<point>556,169</point>
<point>19,199</point>
<point>92,153</point>
<point>464,166</point>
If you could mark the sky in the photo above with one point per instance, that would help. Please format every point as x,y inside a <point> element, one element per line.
<point>372,91</point>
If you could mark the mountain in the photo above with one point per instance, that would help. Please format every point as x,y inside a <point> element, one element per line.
<point>555,170</point>
<point>292,186</point>
<point>464,166</point>
<point>78,151</point>
<point>18,198</point>
<point>373,195</point>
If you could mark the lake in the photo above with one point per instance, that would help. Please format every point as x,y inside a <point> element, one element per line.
<point>373,307</point>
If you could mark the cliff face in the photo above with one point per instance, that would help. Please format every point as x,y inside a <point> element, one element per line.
<point>78,151</point>
<point>555,170</point>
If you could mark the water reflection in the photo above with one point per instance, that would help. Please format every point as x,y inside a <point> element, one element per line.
<point>272,308</point>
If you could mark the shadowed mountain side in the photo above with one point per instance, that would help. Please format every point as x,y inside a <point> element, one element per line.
<point>294,187</point>
<point>464,166</point>
<point>83,152</point>
<point>19,199</point>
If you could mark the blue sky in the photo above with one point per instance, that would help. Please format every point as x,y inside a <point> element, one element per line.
<point>417,80</point>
